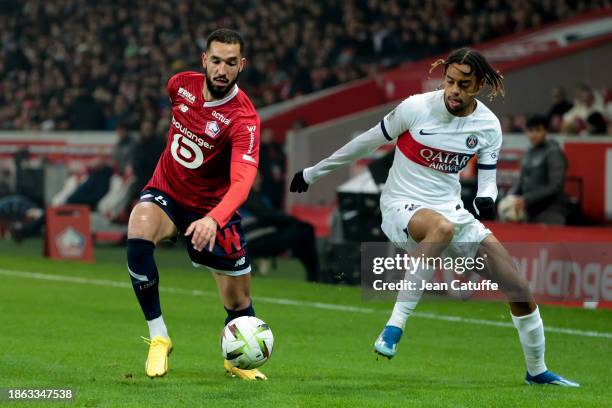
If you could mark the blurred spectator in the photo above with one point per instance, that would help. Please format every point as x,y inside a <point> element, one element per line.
<point>542,178</point>
<point>596,124</point>
<point>92,64</point>
<point>509,124</point>
<point>123,151</point>
<point>22,216</point>
<point>117,198</point>
<point>95,186</point>
<point>85,112</point>
<point>270,232</point>
<point>272,168</point>
<point>146,155</point>
<point>586,117</point>
<point>557,110</point>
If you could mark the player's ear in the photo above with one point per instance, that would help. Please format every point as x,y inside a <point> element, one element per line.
<point>481,85</point>
<point>203,58</point>
<point>243,63</point>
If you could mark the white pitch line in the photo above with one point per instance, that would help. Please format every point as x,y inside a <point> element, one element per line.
<point>290,302</point>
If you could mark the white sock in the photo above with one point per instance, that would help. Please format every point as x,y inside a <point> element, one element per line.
<point>400,314</point>
<point>157,327</point>
<point>408,299</point>
<point>531,334</point>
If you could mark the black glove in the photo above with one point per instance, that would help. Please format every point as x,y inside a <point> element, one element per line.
<point>486,207</point>
<point>298,184</point>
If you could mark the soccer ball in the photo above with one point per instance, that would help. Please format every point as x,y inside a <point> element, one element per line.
<point>246,342</point>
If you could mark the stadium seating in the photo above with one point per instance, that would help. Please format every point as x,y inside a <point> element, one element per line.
<point>91,65</point>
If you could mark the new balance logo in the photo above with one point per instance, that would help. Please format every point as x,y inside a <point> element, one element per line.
<point>183,108</point>
<point>240,261</point>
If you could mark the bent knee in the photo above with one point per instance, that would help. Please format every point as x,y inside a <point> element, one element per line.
<point>443,231</point>
<point>149,222</point>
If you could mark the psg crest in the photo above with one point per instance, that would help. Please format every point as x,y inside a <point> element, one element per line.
<point>471,141</point>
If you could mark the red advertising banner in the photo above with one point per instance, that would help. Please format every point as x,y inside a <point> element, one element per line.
<point>68,233</point>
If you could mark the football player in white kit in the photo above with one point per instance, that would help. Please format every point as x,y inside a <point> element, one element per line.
<point>437,133</point>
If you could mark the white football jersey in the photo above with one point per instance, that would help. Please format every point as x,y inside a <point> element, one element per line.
<point>433,146</point>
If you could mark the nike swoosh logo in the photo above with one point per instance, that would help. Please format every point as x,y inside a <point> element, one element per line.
<point>425,133</point>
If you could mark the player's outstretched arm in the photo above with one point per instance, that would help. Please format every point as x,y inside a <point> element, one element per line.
<point>360,146</point>
<point>204,231</point>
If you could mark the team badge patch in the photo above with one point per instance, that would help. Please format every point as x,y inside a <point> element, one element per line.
<point>212,129</point>
<point>471,141</point>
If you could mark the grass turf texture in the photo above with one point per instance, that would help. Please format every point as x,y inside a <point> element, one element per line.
<point>87,337</point>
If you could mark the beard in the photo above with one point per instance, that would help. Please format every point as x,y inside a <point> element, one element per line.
<point>218,92</point>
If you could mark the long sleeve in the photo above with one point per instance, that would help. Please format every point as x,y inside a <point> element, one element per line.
<point>487,183</point>
<point>242,176</point>
<point>360,146</point>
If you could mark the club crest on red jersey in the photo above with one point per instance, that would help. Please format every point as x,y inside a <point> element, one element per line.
<point>212,129</point>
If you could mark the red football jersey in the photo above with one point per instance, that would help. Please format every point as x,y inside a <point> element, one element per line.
<point>204,138</point>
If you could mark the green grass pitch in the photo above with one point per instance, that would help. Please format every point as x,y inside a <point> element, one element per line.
<point>73,325</point>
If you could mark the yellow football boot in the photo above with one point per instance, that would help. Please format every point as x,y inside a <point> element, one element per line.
<point>157,360</point>
<point>250,375</point>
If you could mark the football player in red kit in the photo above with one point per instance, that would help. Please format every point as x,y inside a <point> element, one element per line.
<point>204,174</point>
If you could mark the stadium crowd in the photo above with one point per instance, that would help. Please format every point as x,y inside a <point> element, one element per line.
<point>79,64</point>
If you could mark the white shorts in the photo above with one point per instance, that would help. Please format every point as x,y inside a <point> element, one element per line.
<point>468,231</point>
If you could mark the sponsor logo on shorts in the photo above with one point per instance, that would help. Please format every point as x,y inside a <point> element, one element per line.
<point>160,199</point>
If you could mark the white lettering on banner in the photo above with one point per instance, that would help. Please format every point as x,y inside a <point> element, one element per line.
<point>566,278</point>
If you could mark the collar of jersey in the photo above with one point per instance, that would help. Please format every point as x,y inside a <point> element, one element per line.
<point>219,102</point>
